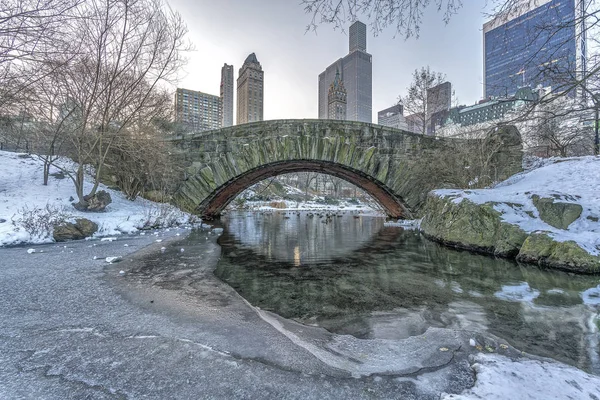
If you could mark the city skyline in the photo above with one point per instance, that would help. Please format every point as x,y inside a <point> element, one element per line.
<point>293,58</point>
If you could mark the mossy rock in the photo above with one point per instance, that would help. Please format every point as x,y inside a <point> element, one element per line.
<point>81,229</point>
<point>557,214</point>
<point>470,226</point>
<point>541,249</point>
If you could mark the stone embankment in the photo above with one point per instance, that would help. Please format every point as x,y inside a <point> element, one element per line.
<point>549,217</point>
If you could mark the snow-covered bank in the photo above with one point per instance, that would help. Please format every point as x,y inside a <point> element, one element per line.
<point>571,180</point>
<point>22,192</point>
<point>548,216</point>
<point>311,205</point>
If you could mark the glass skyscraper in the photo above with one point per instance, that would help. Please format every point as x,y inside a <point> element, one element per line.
<point>538,44</point>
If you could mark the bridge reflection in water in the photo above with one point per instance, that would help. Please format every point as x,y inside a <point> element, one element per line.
<point>359,277</point>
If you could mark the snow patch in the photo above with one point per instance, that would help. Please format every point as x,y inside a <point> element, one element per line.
<point>499,378</point>
<point>22,191</point>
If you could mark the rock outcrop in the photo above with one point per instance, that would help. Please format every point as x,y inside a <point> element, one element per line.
<point>461,223</point>
<point>541,249</point>
<point>81,229</point>
<point>476,227</point>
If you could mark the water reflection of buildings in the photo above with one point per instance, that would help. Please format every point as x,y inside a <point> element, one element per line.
<point>300,239</point>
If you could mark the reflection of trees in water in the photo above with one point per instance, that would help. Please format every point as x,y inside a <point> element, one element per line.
<point>398,275</point>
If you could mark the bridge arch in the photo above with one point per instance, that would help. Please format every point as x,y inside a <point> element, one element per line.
<point>390,164</point>
<point>222,196</point>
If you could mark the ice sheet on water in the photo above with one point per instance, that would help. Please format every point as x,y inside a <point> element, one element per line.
<point>517,293</point>
<point>499,378</point>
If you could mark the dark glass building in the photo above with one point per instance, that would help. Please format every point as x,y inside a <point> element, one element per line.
<point>538,44</point>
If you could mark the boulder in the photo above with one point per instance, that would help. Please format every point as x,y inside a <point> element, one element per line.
<point>86,227</point>
<point>95,203</point>
<point>81,229</point>
<point>470,226</point>
<point>557,214</point>
<point>541,249</point>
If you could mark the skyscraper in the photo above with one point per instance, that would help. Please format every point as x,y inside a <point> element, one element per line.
<point>538,44</point>
<point>356,72</point>
<point>439,99</point>
<point>336,104</point>
<point>197,110</point>
<point>227,94</point>
<point>250,91</point>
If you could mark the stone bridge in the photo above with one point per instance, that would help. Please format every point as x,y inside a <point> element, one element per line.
<point>395,167</point>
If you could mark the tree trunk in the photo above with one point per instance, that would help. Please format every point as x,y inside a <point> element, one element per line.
<point>46,172</point>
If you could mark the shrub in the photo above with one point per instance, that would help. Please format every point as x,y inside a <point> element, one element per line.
<point>163,216</point>
<point>278,204</point>
<point>40,222</point>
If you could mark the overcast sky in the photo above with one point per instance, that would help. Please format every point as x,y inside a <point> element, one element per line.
<point>226,31</point>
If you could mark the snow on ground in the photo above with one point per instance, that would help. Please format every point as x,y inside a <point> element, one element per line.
<point>571,180</point>
<point>499,378</point>
<point>307,206</point>
<point>21,190</point>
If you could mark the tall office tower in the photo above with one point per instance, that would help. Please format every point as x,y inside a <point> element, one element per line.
<point>336,104</point>
<point>250,91</point>
<point>197,110</point>
<point>356,71</point>
<point>227,94</point>
<point>538,44</point>
<point>439,100</point>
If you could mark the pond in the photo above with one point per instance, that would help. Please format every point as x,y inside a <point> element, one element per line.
<point>352,274</point>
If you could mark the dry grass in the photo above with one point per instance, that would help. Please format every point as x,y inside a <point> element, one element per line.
<point>278,204</point>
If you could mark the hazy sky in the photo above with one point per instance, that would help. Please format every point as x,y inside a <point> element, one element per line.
<point>226,31</point>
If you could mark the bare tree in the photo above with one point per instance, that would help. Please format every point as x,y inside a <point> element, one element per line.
<point>31,33</point>
<point>129,50</point>
<point>143,162</point>
<point>405,15</point>
<point>548,131</point>
<point>416,100</point>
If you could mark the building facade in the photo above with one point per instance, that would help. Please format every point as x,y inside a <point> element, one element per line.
<point>538,44</point>
<point>356,73</point>
<point>439,101</point>
<point>336,104</point>
<point>393,117</point>
<point>414,122</point>
<point>250,85</point>
<point>197,111</point>
<point>227,95</point>
<point>489,110</point>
